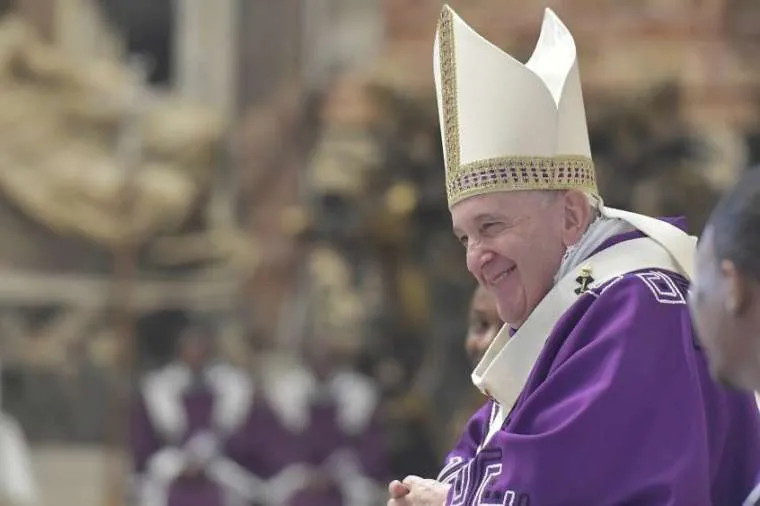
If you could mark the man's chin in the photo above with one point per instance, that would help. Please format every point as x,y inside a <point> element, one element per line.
<point>510,303</point>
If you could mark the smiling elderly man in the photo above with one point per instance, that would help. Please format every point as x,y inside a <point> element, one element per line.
<point>601,396</point>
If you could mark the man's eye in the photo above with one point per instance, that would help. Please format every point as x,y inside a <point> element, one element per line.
<point>463,241</point>
<point>491,228</point>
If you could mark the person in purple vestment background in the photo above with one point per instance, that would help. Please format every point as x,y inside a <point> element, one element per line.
<point>725,294</point>
<point>483,324</point>
<point>185,413</point>
<point>317,438</point>
<point>598,391</point>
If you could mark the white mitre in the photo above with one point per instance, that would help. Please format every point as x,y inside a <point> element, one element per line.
<point>507,125</point>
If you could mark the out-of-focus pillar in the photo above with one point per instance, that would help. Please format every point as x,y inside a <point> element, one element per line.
<point>206,52</point>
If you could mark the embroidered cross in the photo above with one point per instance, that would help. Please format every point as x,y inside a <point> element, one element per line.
<point>584,280</point>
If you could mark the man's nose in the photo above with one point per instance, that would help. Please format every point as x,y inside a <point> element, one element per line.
<point>477,255</point>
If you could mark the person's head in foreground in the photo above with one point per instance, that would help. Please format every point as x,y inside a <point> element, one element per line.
<point>484,324</point>
<point>725,294</point>
<point>520,180</point>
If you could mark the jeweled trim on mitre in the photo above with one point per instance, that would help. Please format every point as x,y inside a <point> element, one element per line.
<point>447,62</point>
<point>521,173</point>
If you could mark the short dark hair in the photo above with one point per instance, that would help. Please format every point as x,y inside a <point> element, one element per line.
<point>735,224</point>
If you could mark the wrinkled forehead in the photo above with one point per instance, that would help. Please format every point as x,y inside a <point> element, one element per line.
<point>507,205</point>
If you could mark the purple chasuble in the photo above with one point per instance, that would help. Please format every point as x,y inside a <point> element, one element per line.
<point>178,419</point>
<point>146,441</point>
<point>303,445</point>
<point>619,409</point>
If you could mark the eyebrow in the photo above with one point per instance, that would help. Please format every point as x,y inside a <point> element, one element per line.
<point>489,217</point>
<point>483,217</point>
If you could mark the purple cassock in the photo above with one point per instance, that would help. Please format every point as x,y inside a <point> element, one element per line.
<point>315,443</point>
<point>179,430</point>
<point>619,409</point>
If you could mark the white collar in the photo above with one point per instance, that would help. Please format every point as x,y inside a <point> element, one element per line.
<point>598,232</point>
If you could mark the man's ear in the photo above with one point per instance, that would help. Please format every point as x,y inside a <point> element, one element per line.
<point>737,290</point>
<point>577,216</point>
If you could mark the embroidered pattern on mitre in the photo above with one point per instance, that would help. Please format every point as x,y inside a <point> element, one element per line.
<point>515,127</point>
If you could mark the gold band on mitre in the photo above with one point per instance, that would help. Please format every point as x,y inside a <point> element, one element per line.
<point>520,173</point>
<point>508,173</point>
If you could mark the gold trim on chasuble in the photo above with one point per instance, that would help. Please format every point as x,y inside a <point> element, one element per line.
<point>564,172</point>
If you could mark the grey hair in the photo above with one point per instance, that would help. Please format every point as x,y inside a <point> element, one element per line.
<point>594,201</point>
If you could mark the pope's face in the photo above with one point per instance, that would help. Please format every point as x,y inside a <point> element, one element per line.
<point>515,242</point>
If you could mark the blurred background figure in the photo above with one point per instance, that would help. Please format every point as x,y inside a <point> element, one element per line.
<point>484,324</point>
<point>314,436</point>
<point>18,485</point>
<point>181,426</point>
<point>276,166</point>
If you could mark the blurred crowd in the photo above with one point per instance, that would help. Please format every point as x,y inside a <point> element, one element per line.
<point>341,356</point>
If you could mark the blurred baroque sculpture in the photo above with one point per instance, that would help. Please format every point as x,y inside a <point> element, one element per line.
<point>274,139</point>
<point>95,166</point>
<point>380,251</point>
<point>60,160</point>
<point>649,158</point>
<point>375,211</point>
<point>741,21</point>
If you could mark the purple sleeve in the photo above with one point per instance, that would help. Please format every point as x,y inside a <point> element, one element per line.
<point>467,445</point>
<point>622,416</point>
<point>143,440</point>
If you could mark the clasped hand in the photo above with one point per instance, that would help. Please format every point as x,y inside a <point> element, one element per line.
<point>416,491</point>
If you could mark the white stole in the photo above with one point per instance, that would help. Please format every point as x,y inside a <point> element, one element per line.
<point>504,369</point>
